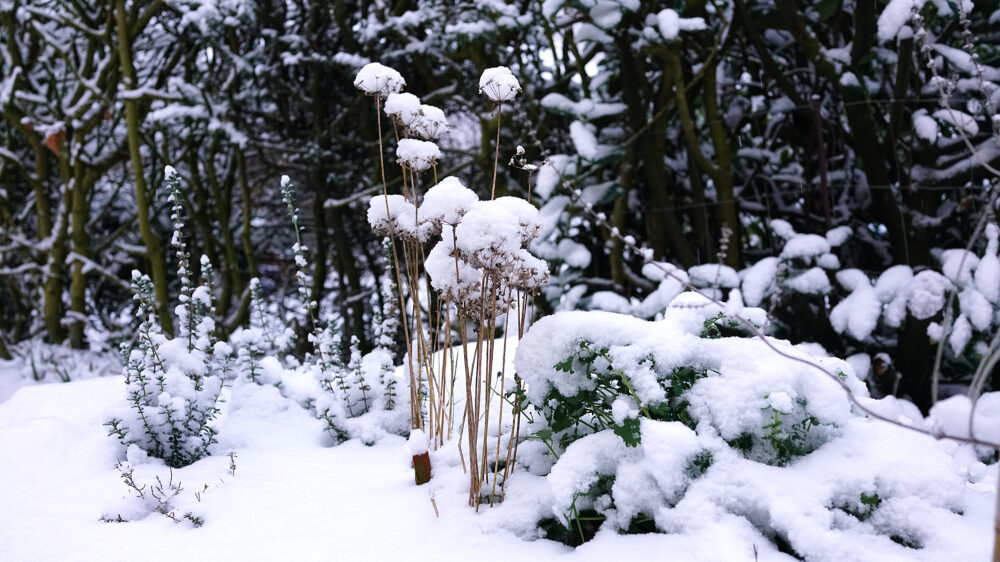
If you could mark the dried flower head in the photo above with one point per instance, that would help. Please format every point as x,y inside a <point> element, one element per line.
<point>403,108</point>
<point>378,80</point>
<point>431,124</point>
<point>498,84</point>
<point>417,155</point>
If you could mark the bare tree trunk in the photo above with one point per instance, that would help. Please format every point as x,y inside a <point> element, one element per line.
<point>154,253</point>
<point>4,352</point>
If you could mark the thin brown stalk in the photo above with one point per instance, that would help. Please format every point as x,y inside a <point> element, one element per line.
<point>496,156</point>
<point>503,380</point>
<point>395,253</point>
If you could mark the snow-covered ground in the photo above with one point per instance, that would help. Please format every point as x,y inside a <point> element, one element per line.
<point>294,496</point>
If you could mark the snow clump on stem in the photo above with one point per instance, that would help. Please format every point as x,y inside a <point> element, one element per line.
<point>431,124</point>
<point>404,108</point>
<point>499,84</point>
<point>417,155</point>
<point>378,80</point>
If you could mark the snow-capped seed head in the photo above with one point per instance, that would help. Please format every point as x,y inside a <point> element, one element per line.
<point>376,79</point>
<point>285,180</point>
<point>417,155</point>
<point>169,171</point>
<point>499,84</point>
<point>403,108</point>
<point>447,201</point>
<point>431,124</point>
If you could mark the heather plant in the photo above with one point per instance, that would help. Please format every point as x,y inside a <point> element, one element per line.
<point>173,384</point>
<point>354,400</point>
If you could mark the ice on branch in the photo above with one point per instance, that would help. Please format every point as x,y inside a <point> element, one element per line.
<point>498,84</point>
<point>431,124</point>
<point>403,108</point>
<point>376,79</point>
<point>417,155</point>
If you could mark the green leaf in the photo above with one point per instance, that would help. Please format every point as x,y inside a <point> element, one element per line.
<point>629,432</point>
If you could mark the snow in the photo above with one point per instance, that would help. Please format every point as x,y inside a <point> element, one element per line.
<point>447,201</point>
<point>958,119</point>
<point>714,275</point>
<point>857,314</point>
<point>584,140</point>
<point>400,220</point>
<point>498,84</point>
<point>925,126</point>
<point>609,301</point>
<point>376,79</point>
<point>927,294</point>
<point>417,155</point>
<point>758,281</point>
<point>805,246</point>
<point>926,489</point>
<point>895,15</point>
<point>961,333</point>
<point>976,308</point>
<point>431,124</point>
<point>838,236</point>
<point>404,108</point>
<point>417,442</point>
<point>291,495</point>
<point>963,61</point>
<point>988,272</point>
<point>957,265</point>
<point>314,495</point>
<point>587,108</point>
<point>573,253</point>
<point>812,282</point>
<point>782,228</point>
<point>671,24</point>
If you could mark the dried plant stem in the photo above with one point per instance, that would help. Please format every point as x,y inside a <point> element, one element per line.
<point>996,527</point>
<point>395,252</point>
<point>496,155</point>
<point>471,421</point>
<point>503,380</point>
<point>490,341</point>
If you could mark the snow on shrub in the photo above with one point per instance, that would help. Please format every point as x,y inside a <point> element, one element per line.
<point>354,400</point>
<point>173,384</point>
<point>172,387</point>
<point>665,425</point>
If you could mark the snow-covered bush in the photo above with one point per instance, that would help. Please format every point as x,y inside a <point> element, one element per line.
<point>172,385</point>
<point>356,400</point>
<point>630,415</point>
<point>901,313</point>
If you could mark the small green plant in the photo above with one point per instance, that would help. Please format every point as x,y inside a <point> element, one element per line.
<point>590,409</point>
<point>788,441</point>
<point>784,436</point>
<point>719,326</point>
<point>173,384</point>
